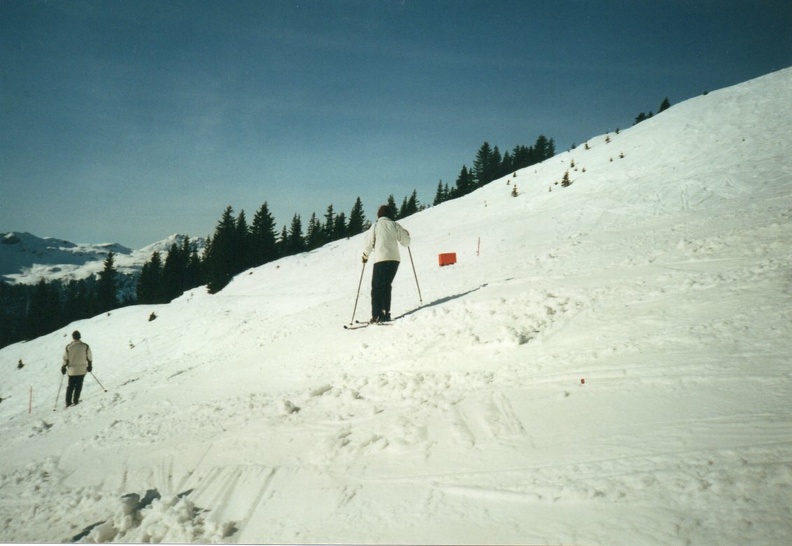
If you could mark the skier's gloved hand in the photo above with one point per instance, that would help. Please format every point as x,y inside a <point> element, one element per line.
<point>365,258</point>
<point>90,368</point>
<point>63,370</point>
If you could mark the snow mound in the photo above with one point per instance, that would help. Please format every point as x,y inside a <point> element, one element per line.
<point>155,519</point>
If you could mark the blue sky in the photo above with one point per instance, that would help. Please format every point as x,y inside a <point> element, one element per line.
<point>127,121</point>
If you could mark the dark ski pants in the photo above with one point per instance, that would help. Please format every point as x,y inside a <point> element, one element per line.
<point>74,389</point>
<point>381,281</point>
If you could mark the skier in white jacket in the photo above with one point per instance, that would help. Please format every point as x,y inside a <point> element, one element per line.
<point>383,239</point>
<point>77,361</point>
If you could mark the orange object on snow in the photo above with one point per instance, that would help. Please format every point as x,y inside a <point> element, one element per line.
<point>448,258</point>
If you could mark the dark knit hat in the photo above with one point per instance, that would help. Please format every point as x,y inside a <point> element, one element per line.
<point>76,335</point>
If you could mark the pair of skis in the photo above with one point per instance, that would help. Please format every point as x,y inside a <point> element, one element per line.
<point>357,325</point>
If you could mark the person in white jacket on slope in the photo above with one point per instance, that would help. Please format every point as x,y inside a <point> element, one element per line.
<point>77,361</point>
<point>383,239</point>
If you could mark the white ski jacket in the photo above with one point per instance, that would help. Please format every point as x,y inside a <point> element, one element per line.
<point>77,358</point>
<point>383,239</point>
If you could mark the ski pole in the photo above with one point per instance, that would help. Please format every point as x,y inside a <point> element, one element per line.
<point>358,293</point>
<point>92,375</point>
<point>416,276</point>
<point>60,386</point>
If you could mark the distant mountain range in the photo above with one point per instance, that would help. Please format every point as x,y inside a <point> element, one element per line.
<point>27,259</point>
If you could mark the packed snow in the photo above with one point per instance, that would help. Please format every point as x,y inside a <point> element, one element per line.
<point>606,363</point>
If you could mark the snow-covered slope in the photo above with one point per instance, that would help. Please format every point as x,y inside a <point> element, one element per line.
<point>607,363</point>
<point>28,259</point>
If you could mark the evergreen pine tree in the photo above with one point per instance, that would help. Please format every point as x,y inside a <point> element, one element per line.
<point>263,237</point>
<point>409,205</point>
<point>205,261</point>
<point>174,272</point>
<point>413,205</point>
<point>665,105</point>
<point>393,211</point>
<point>283,242</point>
<point>506,165</point>
<point>195,270</point>
<point>107,286</point>
<point>340,227</point>
<point>440,195</point>
<point>497,163</point>
<point>296,242</point>
<point>465,182</point>
<point>357,220</point>
<point>328,228</point>
<point>544,148</point>
<point>483,167</point>
<point>522,156</point>
<point>219,258</point>
<point>403,209</point>
<point>149,288</point>
<point>243,251</point>
<point>314,236</point>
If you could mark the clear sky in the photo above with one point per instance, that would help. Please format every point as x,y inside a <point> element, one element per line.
<point>129,120</point>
